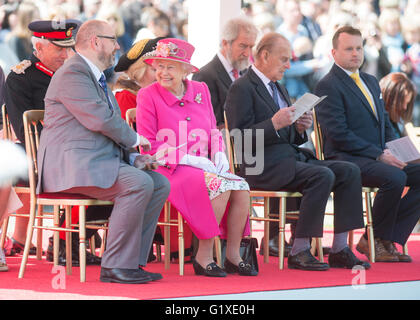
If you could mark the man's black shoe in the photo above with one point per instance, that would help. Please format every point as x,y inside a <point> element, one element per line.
<point>273,247</point>
<point>153,275</point>
<point>346,259</point>
<point>91,259</point>
<point>306,261</point>
<point>118,275</point>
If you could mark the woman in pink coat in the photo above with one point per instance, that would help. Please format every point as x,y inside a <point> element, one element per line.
<point>176,112</point>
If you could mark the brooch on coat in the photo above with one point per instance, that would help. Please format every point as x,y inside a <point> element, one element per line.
<point>198,98</point>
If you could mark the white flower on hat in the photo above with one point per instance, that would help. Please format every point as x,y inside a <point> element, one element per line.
<point>166,49</point>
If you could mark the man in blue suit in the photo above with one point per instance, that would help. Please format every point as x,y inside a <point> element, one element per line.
<point>355,127</point>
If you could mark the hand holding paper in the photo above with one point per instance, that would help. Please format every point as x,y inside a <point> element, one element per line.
<point>388,158</point>
<point>305,104</point>
<point>304,122</point>
<point>283,118</point>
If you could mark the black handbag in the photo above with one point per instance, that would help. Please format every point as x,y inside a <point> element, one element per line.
<point>248,251</point>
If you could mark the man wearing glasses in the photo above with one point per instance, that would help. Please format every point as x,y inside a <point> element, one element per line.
<point>87,145</point>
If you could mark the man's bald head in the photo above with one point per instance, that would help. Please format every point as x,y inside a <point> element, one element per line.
<point>88,30</point>
<point>96,41</point>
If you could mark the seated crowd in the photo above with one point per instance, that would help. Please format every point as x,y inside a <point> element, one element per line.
<point>177,152</point>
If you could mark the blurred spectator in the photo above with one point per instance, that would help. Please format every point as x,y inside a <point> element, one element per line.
<point>411,31</point>
<point>157,24</point>
<point>7,16</point>
<point>298,79</point>
<point>399,94</point>
<point>323,45</point>
<point>392,39</point>
<point>110,14</point>
<point>19,39</point>
<point>376,62</point>
<point>90,9</point>
<point>131,11</point>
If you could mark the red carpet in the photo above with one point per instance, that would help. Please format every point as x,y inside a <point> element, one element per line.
<point>39,279</point>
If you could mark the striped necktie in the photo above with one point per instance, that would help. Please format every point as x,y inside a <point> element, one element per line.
<point>276,94</point>
<point>356,78</point>
<point>102,83</point>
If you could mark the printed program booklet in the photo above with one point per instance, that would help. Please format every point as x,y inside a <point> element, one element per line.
<point>405,149</point>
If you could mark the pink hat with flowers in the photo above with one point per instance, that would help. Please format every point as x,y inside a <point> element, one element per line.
<point>172,49</point>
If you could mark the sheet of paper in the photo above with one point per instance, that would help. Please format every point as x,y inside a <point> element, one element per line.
<point>404,149</point>
<point>230,176</point>
<point>163,152</point>
<point>306,103</point>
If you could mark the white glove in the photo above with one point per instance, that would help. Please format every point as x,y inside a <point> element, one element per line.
<point>143,142</point>
<point>198,162</point>
<point>222,163</point>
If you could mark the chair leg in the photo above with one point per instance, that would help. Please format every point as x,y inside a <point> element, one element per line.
<point>39,234</point>
<point>92,245</point>
<point>351,239</point>
<point>318,242</point>
<point>181,252</point>
<point>104,235</point>
<point>82,242</point>
<point>282,224</point>
<point>56,240</point>
<point>29,234</point>
<point>4,232</point>
<point>68,241</point>
<point>218,249</point>
<point>158,252</point>
<point>167,235</point>
<point>266,229</point>
<point>405,249</point>
<point>371,239</point>
<point>250,209</point>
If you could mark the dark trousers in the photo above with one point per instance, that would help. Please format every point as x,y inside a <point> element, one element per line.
<point>394,218</point>
<point>316,180</point>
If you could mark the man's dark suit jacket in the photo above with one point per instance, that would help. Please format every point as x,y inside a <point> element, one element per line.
<point>249,105</point>
<point>218,80</point>
<point>349,127</point>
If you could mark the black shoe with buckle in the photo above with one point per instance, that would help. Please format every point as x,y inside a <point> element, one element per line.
<point>243,269</point>
<point>211,270</point>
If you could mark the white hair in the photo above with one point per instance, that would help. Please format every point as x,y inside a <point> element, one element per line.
<point>36,40</point>
<point>233,27</point>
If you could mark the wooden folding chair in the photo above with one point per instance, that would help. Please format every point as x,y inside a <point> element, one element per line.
<point>8,134</point>
<point>367,192</point>
<point>31,119</point>
<point>270,217</point>
<point>167,223</point>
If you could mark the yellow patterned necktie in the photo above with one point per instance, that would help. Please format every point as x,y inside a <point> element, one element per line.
<point>356,78</point>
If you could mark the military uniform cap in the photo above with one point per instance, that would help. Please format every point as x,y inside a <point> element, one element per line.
<point>138,50</point>
<point>59,32</point>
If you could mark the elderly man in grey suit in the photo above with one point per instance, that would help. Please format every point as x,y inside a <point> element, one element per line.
<point>85,148</point>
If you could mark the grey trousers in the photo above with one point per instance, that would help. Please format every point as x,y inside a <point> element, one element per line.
<point>138,197</point>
